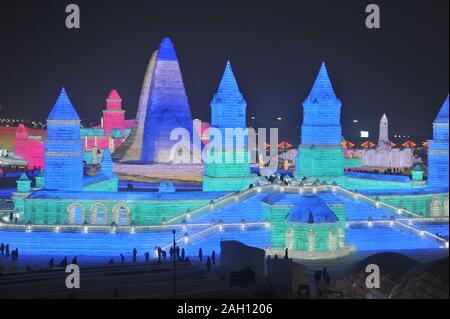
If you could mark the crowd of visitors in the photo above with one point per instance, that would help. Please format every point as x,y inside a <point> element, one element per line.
<point>5,251</point>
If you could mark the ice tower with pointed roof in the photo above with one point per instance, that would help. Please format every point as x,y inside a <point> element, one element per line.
<point>167,107</point>
<point>320,152</point>
<point>63,147</point>
<point>113,118</point>
<point>230,169</point>
<point>438,150</point>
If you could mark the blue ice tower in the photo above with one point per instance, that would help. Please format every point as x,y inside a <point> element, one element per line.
<point>63,148</point>
<point>438,150</point>
<point>167,108</point>
<point>320,152</point>
<point>228,111</point>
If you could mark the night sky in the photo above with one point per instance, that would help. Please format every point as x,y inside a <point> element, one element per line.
<point>275,49</point>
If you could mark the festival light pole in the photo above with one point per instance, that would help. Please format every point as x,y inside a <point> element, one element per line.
<point>174,288</point>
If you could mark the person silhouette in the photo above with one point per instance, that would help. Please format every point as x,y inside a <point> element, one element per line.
<point>286,254</point>
<point>200,254</point>
<point>63,263</point>
<point>122,258</point>
<point>177,252</point>
<point>213,257</point>
<point>159,254</point>
<point>268,265</point>
<point>208,264</point>
<point>134,255</point>
<point>183,253</point>
<point>2,249</point>
<point>328,280</point>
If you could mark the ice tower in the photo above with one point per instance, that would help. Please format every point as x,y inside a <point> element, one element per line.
<point>113,116</point>
<point>383,139</point>
<point>320,152</point>
<point>167,107</point>
<point>438,150</point>
<point>229,171</point>
<point>163,107</point>
<point>63,147</point>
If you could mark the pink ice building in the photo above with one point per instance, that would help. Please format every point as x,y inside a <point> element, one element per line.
<point>113,116</point>
<point>29,148</point>
<point>111,133</point>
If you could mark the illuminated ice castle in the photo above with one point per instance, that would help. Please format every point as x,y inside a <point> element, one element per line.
<point>328,214</point>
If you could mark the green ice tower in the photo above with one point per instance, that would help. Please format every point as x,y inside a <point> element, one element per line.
<point>320,153</point>
<point>227,168</point>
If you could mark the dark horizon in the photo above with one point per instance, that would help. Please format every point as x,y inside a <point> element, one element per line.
<point>275,51</point>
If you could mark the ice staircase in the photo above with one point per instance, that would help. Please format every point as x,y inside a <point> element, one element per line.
<point>237,217</point>
<point>357,210</point>
<point>249,209</point>
<point>388,237</point>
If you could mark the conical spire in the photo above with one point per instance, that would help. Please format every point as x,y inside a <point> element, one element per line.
<point>23,178</point>
<point>383,138</point>
<point>114,101</point>
<point>107,163</point>
<point>322,90</point>
<point>114,95</point>
<point>63,109</point>
<point>166,51</point>
<point>442,116</point>
<point>228,88</point>
<point>21,132</point>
